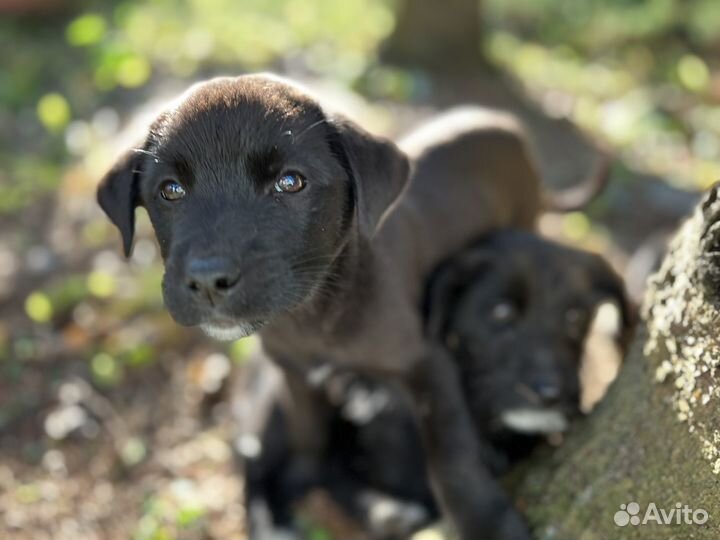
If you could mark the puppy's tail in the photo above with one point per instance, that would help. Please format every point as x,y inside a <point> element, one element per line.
<point>578,197</point>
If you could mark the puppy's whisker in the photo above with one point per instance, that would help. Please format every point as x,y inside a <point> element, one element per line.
<point>318,256</point>
<point>317,276</point>
<point>321,260</point>
<point>312,265</point>
<point>146,152</point>
<point>310,284</point>
<point>308,129</point>
<point>306,258</point>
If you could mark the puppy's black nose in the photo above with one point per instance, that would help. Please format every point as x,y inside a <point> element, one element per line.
<point>212,276</point>
<point>548,392</point>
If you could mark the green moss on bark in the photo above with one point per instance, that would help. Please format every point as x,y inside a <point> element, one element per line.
<point>655,437</point>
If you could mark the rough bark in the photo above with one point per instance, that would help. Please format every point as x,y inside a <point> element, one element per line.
<point>656,436</point>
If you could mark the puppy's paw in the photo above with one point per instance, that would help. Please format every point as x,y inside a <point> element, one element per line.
<point>438,531</point>
<point>393,518</point>
<point>262,526</point>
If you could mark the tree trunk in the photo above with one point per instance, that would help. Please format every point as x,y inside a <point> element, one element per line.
<point>656,436</point>
<point>441,35</point>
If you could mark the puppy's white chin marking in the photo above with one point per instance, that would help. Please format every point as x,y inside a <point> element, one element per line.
<point>534,420</point>
<point>229,333</point>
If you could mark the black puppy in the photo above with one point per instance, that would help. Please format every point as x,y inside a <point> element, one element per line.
<point>273,215</point>
<point>514,310</point>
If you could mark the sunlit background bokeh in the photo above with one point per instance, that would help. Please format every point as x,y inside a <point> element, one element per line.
<point>113,422</point>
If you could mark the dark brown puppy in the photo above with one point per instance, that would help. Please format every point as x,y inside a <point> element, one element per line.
<point>514,310</point>
<point>270,214</point>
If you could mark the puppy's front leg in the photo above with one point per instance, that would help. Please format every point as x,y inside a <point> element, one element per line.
<point>307,410</point>
<point>476,505</point>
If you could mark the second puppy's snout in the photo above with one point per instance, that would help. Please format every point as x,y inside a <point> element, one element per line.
<point>548,390</point>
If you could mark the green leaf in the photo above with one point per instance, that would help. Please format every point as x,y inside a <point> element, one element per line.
<point>87,29</point>
<point>38,307</point>
<point>53,111</point>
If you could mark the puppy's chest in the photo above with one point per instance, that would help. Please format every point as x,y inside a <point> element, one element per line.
<point>310,348</point>
<point>374,329</point>
<point>340,339</point>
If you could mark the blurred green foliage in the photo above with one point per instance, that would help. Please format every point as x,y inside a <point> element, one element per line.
<point>65,67</point>
<point>637,69</point>
<point>641,73</point>
<point>590,26</point>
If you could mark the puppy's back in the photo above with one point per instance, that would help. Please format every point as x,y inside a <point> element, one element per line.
<point>456,123</point>
<point>472,173</point>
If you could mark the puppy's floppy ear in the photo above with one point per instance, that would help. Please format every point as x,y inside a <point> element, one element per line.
<point>608,284</point>
<point>379,171</point>
<point>447,284</point>
<point>118,196</point>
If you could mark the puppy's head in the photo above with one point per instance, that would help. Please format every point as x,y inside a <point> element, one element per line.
<point>515,310</point>
<point>254,192</point>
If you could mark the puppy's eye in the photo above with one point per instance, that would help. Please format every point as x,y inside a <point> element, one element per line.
<point>575,316</point>
<point>172,190</point>
<point>290,183</point>
<point>575,319</point>
<point>503,312</point>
